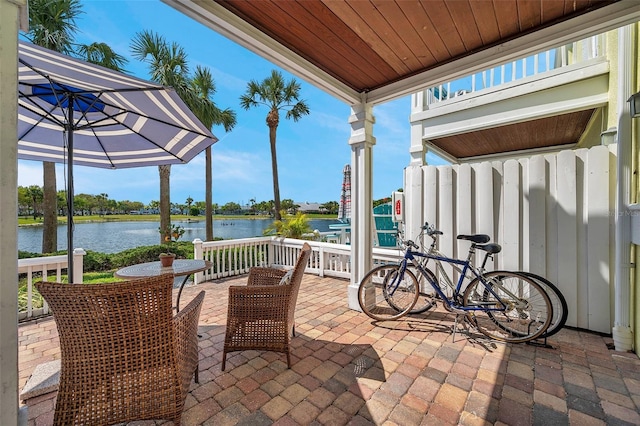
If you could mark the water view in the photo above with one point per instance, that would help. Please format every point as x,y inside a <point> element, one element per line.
<point>113,237</point>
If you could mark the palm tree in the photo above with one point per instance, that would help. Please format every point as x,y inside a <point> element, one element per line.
<point>207,111</point>
<point>52,25</point>
<point>277,95</point>
<point>168,66</point>
<point>102,54</point>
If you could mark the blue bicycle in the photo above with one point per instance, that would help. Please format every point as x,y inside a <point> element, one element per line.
<point>502,305</point>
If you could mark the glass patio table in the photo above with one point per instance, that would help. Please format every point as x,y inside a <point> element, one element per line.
<point>180,267</point>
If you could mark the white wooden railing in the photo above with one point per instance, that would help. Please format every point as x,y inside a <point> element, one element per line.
<point>41,268</point>
<point>235,257</point>
<point>563,56</point>
<point>229,257</point>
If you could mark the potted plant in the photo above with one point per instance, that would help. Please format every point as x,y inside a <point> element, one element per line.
<point>171,233</point>
<point>167,259</point>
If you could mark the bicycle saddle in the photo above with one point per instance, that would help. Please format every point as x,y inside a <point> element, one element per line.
<point>492,248</point>
<point>476,238</point>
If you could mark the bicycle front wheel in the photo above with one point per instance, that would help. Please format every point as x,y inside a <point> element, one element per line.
<point>387,292</point>
<point>510,307</point>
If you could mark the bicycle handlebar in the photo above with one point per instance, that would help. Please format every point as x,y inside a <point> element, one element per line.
<point>431,230</point>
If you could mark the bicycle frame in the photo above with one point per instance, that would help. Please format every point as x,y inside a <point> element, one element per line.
<point>414,257</point>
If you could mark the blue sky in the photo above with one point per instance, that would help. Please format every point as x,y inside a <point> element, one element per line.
<point>311,152</point>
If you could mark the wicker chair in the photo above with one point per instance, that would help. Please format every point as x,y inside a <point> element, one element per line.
<point>261,314</point>
<point>125,356</point>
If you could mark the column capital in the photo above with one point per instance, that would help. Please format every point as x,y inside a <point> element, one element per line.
<point>361,121</point>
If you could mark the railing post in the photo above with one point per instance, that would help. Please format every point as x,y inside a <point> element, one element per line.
<point>78,265</point>
<point>321,261</point>
<point>270,252</point>
<point>197,254</point>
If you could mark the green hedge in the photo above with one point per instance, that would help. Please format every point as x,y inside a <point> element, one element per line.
<point>95,261</point>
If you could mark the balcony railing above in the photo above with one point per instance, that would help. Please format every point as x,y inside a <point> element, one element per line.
<point>579,51</point>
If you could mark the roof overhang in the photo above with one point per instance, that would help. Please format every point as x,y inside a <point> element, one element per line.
<point>593,18</point>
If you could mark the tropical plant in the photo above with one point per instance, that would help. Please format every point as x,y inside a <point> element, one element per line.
<point>102,54</point>
<point>276,94</point>
<point>52,24</point>
<point>171,232</point>
<point>290,227</point>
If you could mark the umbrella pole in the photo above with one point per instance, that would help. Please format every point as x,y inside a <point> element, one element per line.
<point>70,191</point>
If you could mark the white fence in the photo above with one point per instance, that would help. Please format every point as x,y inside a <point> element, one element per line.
<point>551,213</point>
<point>41,268</point>
<point>229,258</point>
<point>235,257</point>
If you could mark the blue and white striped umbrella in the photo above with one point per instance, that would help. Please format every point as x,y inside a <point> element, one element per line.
<point>117,120</point>
<point>74,112</point>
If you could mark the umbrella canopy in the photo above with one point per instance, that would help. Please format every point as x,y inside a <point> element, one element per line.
<point>344,209</point>
<point>74,112</point>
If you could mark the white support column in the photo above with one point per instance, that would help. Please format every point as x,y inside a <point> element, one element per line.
<point>12,13</point>
<point>622,335</point>
<point>361,141</point>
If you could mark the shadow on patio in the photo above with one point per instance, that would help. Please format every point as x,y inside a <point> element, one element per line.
<point>348,370</point>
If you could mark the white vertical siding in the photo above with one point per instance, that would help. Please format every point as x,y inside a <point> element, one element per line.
<point>567,237</point>
<point>511,235</point>
<point>549,212</point>
<point>598,238</point>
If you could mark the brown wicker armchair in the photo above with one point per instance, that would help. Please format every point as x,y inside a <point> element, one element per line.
<point>125,356</point>
<point>261,315</point>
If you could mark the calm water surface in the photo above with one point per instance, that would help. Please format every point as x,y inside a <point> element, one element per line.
<point>113,237</point>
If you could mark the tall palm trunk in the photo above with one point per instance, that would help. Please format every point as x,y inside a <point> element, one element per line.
<point>208,196</point>
<point>273,119</point>
<point>165,202</point>
<point>274,168</point>
<point>50,209</point>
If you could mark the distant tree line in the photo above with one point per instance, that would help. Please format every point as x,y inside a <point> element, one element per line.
<point>31,203</point>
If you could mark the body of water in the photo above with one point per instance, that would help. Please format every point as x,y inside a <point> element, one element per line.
<point>113,237</point>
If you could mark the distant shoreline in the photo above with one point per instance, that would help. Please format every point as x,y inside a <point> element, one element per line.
<point>62,220</point>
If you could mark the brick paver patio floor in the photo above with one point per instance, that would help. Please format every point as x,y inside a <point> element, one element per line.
<point>348,370</point>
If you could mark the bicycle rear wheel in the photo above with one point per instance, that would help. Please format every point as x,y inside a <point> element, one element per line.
<point>387,292</point>
<point>558,303</point>
<point>510,307</point>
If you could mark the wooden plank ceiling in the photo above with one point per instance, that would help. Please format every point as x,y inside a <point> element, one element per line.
<point>367,44</point>
<point>559,130</point>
